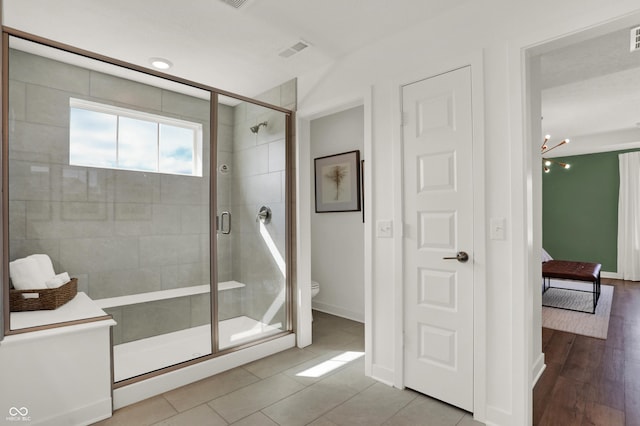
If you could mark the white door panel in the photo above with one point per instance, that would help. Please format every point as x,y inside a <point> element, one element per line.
<point>438,213</point>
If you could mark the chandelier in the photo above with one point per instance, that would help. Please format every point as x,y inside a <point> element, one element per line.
<point>547,162</point>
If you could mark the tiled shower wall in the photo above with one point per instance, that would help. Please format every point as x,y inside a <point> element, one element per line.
<point>119,232</point>
<point>230,302</point>
<point>259,179</point>
<point>224,188</point>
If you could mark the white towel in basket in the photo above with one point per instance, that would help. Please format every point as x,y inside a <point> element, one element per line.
<point>58,280</point>
<point>45,265</point>
<point>26,274</point>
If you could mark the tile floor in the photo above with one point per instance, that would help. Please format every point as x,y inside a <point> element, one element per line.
<point>321,385</point>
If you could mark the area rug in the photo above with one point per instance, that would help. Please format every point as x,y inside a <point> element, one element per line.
<point>586,324</point>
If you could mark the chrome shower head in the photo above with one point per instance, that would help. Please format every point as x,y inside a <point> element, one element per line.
<point>254,129</point>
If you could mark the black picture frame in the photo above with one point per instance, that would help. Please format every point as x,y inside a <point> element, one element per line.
<point>337,182</point>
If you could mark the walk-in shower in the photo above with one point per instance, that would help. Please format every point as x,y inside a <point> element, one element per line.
<point>167,200</point>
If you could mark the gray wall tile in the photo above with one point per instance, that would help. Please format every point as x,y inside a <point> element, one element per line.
<point>107,87</point>
<point>17,101</point>
<point>182,189</point>
<point>47,72</point>
<point>158,250</point>
<point>261,189</point>
<point>47,106</point>
<point>137,187</point>
<point>200,309</point>
<point>275,128</point>
<point>154,318</point>
<point>98,254</point>
<point>123,282</point>
<point>18,220</point>
<point>225,115</point>
<point>185,106</point>
<point>86,184</point>
<point>225,138</point>
<point>277,156</point>
<point>254,161</point>
<point>30,180</point>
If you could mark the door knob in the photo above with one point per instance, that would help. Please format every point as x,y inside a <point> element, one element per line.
<point>461,256</point>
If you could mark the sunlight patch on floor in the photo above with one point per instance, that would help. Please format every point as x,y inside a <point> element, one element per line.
<point>330,365</point>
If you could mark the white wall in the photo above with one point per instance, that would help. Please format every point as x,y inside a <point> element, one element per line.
<point>498,30</point>
<point>337,251</point>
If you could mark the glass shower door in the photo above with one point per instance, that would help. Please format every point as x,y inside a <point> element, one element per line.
<point>251,210</point>
<point>109,177</point>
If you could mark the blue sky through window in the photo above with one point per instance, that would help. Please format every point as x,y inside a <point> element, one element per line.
<point>112,137</point>
<point>138,145</point>
<point>176,150</point>
<point>93,138</point>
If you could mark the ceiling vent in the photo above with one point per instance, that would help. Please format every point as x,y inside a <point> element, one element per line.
<point>237,4</point>
<point>293,49</point>
<point>635,39</point>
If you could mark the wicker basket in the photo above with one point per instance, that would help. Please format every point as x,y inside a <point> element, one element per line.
<point>49,298</point>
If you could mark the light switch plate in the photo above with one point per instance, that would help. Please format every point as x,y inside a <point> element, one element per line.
<point>497,228</point>
<point>384,229</point>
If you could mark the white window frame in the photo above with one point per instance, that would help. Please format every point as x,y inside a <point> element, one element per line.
<point>155,118</point>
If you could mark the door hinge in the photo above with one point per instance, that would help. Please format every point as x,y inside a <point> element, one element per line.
<point>404,118</point>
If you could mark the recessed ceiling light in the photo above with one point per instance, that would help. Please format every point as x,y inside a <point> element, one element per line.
<point>160,63</point>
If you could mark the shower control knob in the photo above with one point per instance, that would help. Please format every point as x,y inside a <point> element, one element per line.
<point>264,215</point>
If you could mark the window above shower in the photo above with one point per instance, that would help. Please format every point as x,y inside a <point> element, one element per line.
<point>107,136</point>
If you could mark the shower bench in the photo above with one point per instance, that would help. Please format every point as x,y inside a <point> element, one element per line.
<point>133,299</point>
<point>573,271</point>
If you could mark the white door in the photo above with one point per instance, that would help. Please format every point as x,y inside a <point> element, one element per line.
<point>438,217</point>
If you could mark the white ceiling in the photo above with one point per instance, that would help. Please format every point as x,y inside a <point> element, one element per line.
<point>591,94</point>
<point>213,43</point>
<point>591,88</point>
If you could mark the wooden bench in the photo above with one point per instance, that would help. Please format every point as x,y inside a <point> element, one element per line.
<point>574,271</point>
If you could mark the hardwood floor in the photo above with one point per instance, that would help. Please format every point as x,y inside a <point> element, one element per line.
<point>592,381</point>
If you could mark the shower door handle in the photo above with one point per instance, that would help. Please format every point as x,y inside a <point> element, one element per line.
<point>228,222</point>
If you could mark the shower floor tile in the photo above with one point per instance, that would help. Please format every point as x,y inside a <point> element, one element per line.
<point>153,353</point>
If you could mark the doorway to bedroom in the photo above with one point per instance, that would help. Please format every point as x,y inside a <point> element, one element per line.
<point>585,88</point>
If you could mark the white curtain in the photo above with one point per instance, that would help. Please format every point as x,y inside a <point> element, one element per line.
<point>629,217</point>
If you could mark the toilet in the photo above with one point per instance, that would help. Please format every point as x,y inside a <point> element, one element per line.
<point>315,289</point>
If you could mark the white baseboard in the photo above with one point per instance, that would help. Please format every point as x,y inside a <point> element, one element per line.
<point>498,417</point>
<point>86,415</point>
<point>612,275</point>
<point>538,368</point>
<point>382,374</point>
<point>338,311</point>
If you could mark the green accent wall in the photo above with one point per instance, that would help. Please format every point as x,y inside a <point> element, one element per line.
<point>580,209</point>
